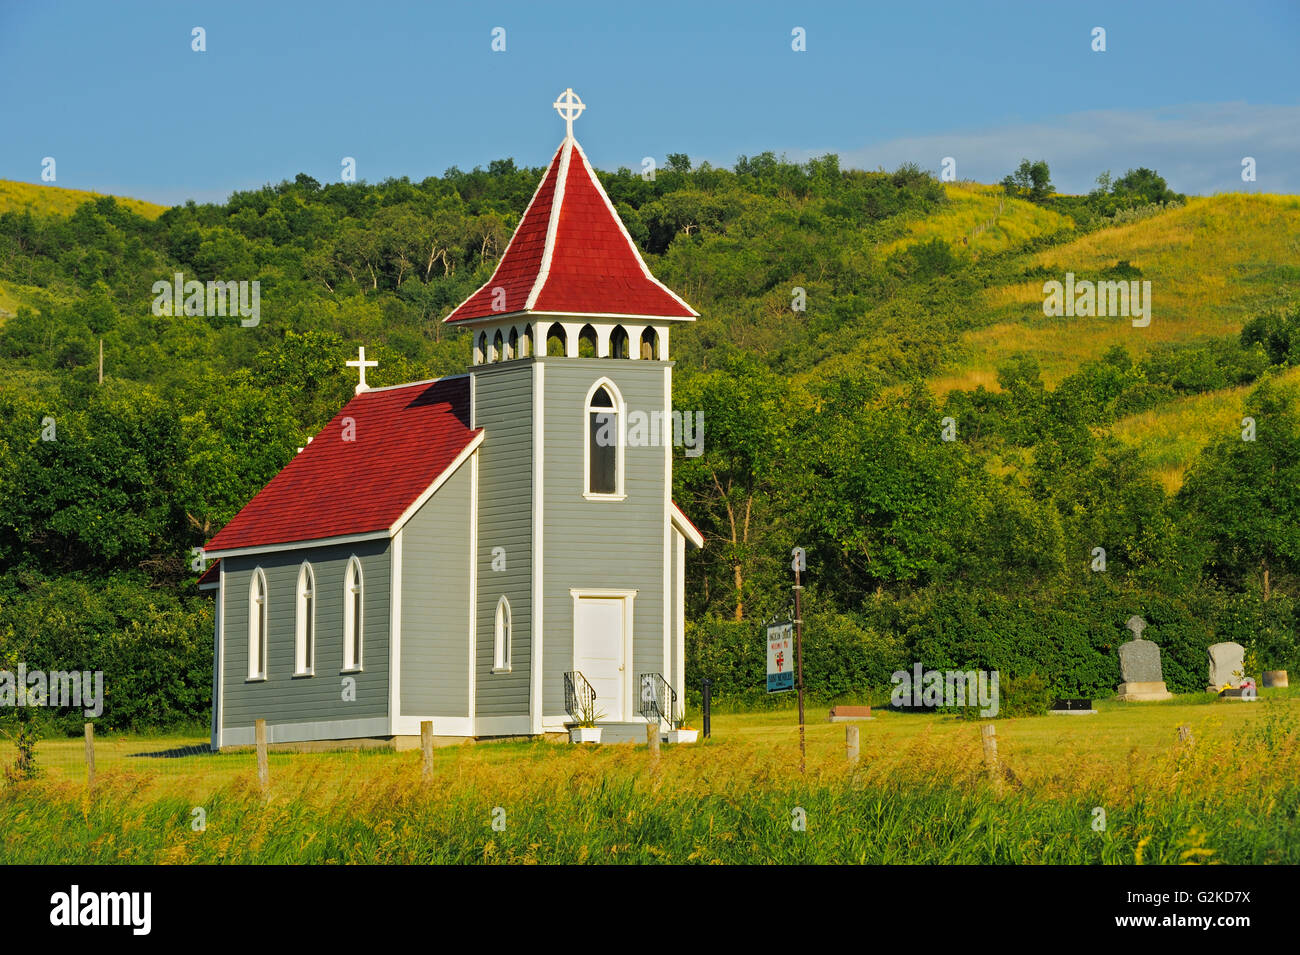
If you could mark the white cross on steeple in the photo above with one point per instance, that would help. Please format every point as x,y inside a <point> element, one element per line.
<point>570,108</point>
<point>363,365</point>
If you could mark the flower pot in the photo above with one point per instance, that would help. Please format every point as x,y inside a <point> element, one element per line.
<point>683,736</point>
<point>584,734</point>
<point>1275,678</point>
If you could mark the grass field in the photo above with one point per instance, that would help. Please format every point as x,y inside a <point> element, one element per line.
<point>48,200</point>
<point>920,794</point>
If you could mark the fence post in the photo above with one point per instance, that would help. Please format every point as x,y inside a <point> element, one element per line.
<point>263,766</point>
<point>851,744</point>
<point>426,746</point>
<point>1185,735</point>
<point>652,739</point>
<point>989,733</point>
<point>707,705</point>
<point>90,754</point>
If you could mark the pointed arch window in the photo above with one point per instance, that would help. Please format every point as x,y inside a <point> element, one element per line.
<point>257,625</point>
<point>603,442</point>
<point>587,342</point>
<point>501,643</point>
<point>512,346</point>
<point>480,350</point>
<point>496,347</point>
<point>557,341</point>
<point>353,615</point>
<point>650,344</point>
<point>304,654</point>
<point>618,343</point>
<point>527,342</point>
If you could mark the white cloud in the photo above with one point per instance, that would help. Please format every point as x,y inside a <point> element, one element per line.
<point>1198,148</point>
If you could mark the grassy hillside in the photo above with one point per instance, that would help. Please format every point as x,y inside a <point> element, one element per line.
<point>1212,264</point>
<point>51,200</point>
<point>55,200</point>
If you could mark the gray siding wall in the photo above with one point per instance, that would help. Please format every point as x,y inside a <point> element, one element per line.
<point>435,664</point>
<point>283,698</point>
<point>601,544</point>
<point>503,407</point>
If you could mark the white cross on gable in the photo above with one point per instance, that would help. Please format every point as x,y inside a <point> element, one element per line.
<point>362,364</point>
<point>570,108</point>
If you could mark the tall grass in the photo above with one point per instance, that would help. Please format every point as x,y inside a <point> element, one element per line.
<point>919,795</point>
<point>50,200</point>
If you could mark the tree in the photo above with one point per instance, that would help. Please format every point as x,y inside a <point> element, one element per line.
<point>1144,185</point>
<point>731,489</point>
<point>1244,495</point>
<point>1031,180</point>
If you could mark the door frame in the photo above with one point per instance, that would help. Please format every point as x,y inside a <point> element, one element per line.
<point>627,597</point>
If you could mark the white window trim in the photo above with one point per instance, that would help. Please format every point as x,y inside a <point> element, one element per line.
<point>350,625</point>
<point>620,409</point>
<point>300,654</point>
<point>502,637</point>
<point>259,619</point>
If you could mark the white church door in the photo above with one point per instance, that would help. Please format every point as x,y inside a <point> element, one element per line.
<point>602,631</point>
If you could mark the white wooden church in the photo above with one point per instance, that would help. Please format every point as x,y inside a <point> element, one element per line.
<point>485,551</point>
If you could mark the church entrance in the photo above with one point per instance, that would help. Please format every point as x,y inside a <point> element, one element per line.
<point>601,633</point>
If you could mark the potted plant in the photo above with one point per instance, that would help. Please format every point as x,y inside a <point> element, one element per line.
<point>683,733</point>
<point>585,730</point>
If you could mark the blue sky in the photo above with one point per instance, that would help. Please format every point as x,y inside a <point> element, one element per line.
<point>114,92</point>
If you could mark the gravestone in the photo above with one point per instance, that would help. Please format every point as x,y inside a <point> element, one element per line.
<point>1139,668</point>
<point>1227,666</point>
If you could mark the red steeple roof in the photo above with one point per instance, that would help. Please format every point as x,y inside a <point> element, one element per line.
<point>572,255</point>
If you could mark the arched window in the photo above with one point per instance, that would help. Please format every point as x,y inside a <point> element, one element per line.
<point>353,615</point>
<point>650,344</point>
<point>604,441</point>
<point>480,350</point>
<point>257,629</point>
<point>496,347</point>
<point>512,346</point>
<point>528,342</point>
<point>304,655</point>
<point>587,342</point>
<point>501,645</point>
<point>557,342</point>
<point>618,343</point>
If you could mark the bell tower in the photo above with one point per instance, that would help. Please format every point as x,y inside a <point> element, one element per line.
<point>571,380</point>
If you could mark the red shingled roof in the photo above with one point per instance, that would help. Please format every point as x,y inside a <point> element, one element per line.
<point>405,438</point>
<point>571,254</point>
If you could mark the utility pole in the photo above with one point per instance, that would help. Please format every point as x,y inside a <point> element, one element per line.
<point>799,562</point>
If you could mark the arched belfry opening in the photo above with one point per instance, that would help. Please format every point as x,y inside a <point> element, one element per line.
<point>650,344</point>
<point>618,343</point>
<point>557,342</point>
<point>587,342</point>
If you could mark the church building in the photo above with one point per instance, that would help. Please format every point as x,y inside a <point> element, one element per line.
<point>487,551</point>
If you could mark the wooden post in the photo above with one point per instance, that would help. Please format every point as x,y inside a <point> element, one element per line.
<point>989,733</point>
<point>1185,735</point>
<point>851,744</point>
<point>652,739</point>
<point>426,746</point>
<point>90,754</point>
<point>263,766</point>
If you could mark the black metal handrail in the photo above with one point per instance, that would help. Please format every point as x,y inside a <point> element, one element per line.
<point>659,700</point>
<point>579,697</point>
